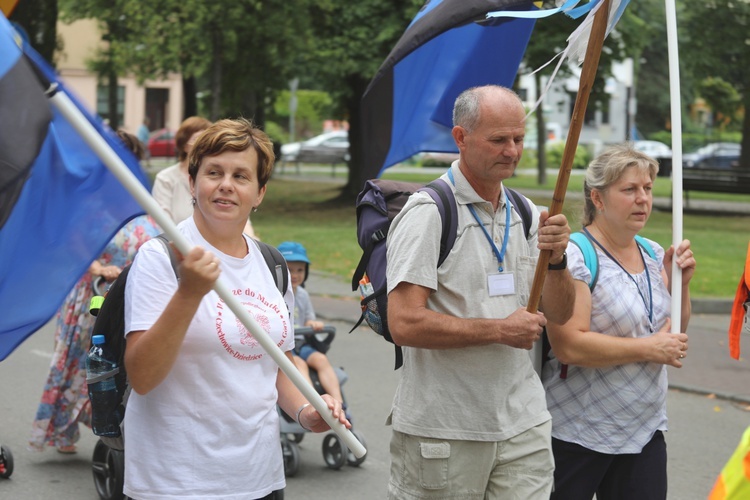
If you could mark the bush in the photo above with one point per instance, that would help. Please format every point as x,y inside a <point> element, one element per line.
<point>555,154</point>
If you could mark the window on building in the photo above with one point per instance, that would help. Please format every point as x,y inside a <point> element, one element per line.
<point>102,103</point>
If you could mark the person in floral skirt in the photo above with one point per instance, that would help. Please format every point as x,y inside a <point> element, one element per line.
<point>65,400</point>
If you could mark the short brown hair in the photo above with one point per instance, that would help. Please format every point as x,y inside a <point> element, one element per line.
<point>233,135</point>
<point>187,128</point>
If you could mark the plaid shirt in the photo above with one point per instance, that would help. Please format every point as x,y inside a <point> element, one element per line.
<point>616,409</point>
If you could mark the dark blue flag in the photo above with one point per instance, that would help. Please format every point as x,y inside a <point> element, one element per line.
<point>449,47</point>
<point>59,204</point>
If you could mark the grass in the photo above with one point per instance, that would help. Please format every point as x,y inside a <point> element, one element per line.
<point>309,212</point>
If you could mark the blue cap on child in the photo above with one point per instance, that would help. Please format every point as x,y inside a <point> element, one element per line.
<point>293,252</point>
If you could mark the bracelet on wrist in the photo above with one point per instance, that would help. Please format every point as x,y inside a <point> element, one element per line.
<point>299,413</point>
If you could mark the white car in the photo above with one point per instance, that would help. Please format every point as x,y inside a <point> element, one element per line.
<point>330,147</point>
<point>655,149</point>
<point>659,152</point>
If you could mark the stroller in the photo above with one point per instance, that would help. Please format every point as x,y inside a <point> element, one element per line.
<point>6,462</point>
<point>335,452</point>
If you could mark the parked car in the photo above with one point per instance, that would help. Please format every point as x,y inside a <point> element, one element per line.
<point>330,147</point>
<point>659,152</point>
<point>161,143</point>
<point>714,155</point>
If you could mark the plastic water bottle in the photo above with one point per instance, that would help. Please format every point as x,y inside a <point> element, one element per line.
<point>101,368</point>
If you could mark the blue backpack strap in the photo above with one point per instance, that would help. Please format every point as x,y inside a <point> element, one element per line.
<point>441,192</point>
<point>590,259</point>
<point>645,245</point>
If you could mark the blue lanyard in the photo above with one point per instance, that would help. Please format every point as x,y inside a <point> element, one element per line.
<point>650,305</point>
<point>500,254</point>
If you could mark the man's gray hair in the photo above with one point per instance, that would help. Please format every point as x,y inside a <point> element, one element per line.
<point>466,107</point>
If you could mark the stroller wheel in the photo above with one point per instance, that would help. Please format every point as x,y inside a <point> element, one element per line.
<point>296,437</point>
<point>290,451</point>
<point>334,451</point>
<point>109,471</point>
<point>350,458</point>
<point>6,462</point>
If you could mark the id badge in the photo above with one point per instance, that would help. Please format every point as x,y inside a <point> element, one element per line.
<point>501,284</point>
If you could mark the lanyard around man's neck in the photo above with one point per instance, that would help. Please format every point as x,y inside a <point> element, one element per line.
<point>500,254</point>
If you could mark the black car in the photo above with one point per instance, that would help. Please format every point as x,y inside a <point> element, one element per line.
<point>715,155</point>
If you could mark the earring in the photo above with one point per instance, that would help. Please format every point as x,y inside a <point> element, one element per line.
<point>194,201</point>
<point>255,209</point>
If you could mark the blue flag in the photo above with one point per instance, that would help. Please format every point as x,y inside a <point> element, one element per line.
<point>449,47</point>
<point>59,204</point>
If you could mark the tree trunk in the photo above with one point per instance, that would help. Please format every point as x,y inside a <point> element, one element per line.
<point>114,119</point>
<point>189,96</point>
<point>357,86</point>
<point>745,147</point>
<point>541,134</point>
<point>216,64</point>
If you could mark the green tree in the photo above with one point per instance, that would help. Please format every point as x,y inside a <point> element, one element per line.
<point>716,40</point>
<point>351,41</point>
<point>722,98</point>
<point>39,19</point>
<point>106,63</point>
<point>550,37</point>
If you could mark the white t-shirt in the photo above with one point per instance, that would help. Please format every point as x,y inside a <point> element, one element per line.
<point>210,429</point>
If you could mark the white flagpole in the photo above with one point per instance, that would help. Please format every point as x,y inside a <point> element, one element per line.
<point>63,104</point>
<point>676,118</point>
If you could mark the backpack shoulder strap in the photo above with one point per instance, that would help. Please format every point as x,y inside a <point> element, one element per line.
<point>590,259</point>
<point>521,206</point>
<point>276,264</point>
<point>172,256</point>
<point>645,245</point>
<point>441,192</point>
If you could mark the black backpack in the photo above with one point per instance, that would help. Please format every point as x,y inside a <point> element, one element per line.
<point>110,320</point>
<point>377,205</point>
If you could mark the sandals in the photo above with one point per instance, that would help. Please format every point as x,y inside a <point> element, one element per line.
<point>67,450</point>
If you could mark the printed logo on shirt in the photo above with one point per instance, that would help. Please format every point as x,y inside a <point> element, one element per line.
<point>246,338</point>
<point>237,339</point>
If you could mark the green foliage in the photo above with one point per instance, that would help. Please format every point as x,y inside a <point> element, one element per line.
<point>722,98</point>
<point>39,19</point>
<point>555,154</point>
<point>313,106</point>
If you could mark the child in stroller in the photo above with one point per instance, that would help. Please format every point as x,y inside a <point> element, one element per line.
<point>307,353</point>
<point>312,341</point>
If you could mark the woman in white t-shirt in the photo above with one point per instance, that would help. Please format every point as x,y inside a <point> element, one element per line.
<point>202,419</point>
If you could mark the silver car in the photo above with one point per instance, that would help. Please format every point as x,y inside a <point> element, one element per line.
<point>330,147</point>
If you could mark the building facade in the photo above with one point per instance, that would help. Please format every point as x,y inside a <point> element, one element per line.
<point>160,101</point>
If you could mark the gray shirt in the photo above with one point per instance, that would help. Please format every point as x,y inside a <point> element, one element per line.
<point>482,393</point>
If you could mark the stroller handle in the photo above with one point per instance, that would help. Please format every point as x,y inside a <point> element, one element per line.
<point>319,339</point>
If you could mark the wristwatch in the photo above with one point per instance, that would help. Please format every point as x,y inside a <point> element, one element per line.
<point>563,264</point>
